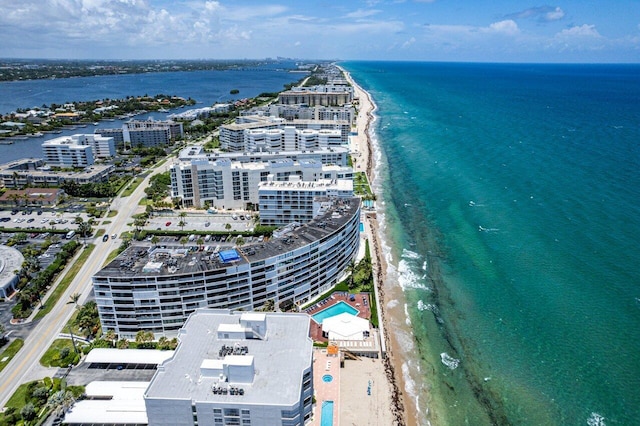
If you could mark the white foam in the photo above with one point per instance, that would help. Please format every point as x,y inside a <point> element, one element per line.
<point>392,304</point>
<point>596,420</point>
<point>408,254</point>
<point>449,361</point>
<point>407,278</point>
<point>407,319</point>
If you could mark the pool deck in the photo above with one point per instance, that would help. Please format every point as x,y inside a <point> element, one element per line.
<point>361,303</point>
<point>324,363</point>
<point>360,391</point>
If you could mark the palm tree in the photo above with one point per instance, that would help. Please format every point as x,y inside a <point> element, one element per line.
<point>154,240</point>
<point>182,223</point>
<point>183,241</point>
<point>351,269</point>
<point>200,242</point>
<point>74,298</point>
<point>111,336</point>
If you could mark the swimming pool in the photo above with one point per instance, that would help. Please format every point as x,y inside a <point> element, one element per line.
<point>334,310</point>
<point>327,414</point>
<point>361,227</point>
<point>327,378</point>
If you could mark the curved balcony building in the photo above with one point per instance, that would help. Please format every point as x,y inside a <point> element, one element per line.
<point>156,288</point>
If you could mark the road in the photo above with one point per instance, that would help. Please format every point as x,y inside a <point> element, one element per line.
<point>46,331</point>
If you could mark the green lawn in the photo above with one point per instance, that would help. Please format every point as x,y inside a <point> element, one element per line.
<point>112,213</point>
<point>51,358</point>
<point>99,233</point>
<point>111,256</point>
<point>10,352</point>
<point>131,187</point>
<point>62,286</point>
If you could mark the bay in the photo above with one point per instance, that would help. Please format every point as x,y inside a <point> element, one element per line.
<point>510,206</point>
<point>206,87</point>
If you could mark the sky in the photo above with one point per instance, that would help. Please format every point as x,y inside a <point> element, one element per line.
<point>590,31</point>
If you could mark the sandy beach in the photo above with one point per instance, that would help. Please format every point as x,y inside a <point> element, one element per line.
<point>393,405</point>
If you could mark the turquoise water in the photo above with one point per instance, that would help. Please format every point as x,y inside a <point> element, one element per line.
<point>327,378</point>
<point>326,418</point>
<point>511,209</point>
<point>333,310</point>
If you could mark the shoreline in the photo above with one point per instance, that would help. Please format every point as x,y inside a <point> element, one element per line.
<point>392,362</point>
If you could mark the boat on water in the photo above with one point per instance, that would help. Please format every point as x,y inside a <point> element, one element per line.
<point>95,123</point>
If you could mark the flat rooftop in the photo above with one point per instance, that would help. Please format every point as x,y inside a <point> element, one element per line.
<point>279,360</point>
<point>171,259</point>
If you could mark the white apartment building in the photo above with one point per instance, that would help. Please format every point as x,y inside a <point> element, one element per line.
<point>157,288</point>
<point>226,184</point>
<point>295,201</point>
<point>291,139</point>
<point>67,152</point>
<point>238,136</point>
<point>151,133</point>
<point>236,368</point>
<point>325,95</point>
<point>338,155</point>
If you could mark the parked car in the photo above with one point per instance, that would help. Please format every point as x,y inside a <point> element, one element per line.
<point>167,224</point>
<point>105,237</point>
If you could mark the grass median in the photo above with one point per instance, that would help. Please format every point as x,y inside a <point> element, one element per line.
<point>10,352</point>
<point>132,187</point>
<point>64,283</point>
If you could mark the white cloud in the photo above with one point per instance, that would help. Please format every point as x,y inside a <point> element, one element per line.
<point>554,15</point>
<point>508,27</point>
<point>584,30</point>
<point>362,13</point>
<point>408,43</point>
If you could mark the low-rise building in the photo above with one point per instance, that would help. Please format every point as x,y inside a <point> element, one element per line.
<point>31,197</point>
<point>236,368</point>
<point>34,172</point>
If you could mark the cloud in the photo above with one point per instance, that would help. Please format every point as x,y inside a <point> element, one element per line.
<point>408,43</point>
<point>580,31</point>
<point>540,13</point>
<point>507,27</point>
<point>362,13</point>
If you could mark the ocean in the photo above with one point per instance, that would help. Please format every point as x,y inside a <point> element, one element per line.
<point>509,201</point>
<point>206,87</point>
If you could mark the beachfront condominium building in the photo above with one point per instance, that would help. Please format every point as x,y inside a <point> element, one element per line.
<point>236,368</point>
<point>150,133</point>
<point>338,156</point>
<point>225,184</point>
<point>281,135</point>
<point>325,95</point>
<point>304,112</point>
<point>297,201</point>
<point>66,152</point>
<point>157,288</point>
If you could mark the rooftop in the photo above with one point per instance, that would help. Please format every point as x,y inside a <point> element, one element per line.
<point>168,260</point>
<point>264,370</point>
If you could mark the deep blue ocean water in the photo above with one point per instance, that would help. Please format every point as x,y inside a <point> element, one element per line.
<point>511,209</point>
<point>206,87</point>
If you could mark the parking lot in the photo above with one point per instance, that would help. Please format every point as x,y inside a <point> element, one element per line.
<point>33,219</point>
<point>203,222</point>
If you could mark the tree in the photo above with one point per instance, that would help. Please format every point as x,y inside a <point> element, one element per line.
<point>200,241</point>
<point>111,336</point>
<point>122,344</point>
<point>240,241</point>
<point>351,268</point>
<point>183,241</point>
<point>269,306</point>
<point>227,226</point>
<point>28,412</point>
<point>155,240</point>
<point>88,320</point>
<point>144,338</point>
<point>74,299</point>
<point>182,223</point>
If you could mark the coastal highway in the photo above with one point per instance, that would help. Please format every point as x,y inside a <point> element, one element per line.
<point>46,331</point>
